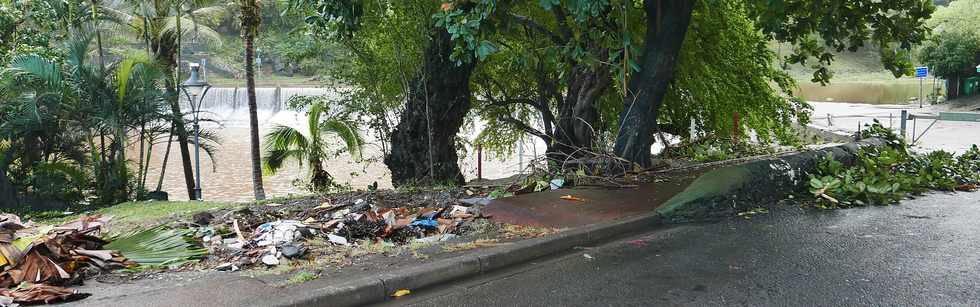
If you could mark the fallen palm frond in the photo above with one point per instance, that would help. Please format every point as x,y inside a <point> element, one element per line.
<point>158,246</point>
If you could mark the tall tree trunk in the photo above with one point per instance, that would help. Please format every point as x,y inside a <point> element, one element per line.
<point>423,145</point>
<point>648,87</point>
<point>166,158</point>
<point>166,55</point>
<point>250,24</point>
<point>185,153</point>
<point>578,115</point>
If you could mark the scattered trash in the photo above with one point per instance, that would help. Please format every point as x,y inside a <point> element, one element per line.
<point>278,232</point>
<point>587,256</point>
<point>293,250</point>
<point>202,218</point>
<point>426,223</point>
<point>572,198</point>
<point>41,294</point>
<point>337,239</point>
<point>402,292</point>
<point>39,261</point>
<point>227,267</point>
<point>476,201</point>
<point>270,260</point>
<point>273,205</point>
<point>437,238</point>
<point>557,183</point>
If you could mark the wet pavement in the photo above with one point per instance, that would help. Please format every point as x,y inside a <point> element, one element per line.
<point>548,209</point>
<point>923,252</point>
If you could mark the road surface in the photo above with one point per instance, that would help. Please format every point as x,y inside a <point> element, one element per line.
<point>923,252</point>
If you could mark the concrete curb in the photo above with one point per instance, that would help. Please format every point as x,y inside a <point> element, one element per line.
<point>377,289</point>
<point>725,191</point>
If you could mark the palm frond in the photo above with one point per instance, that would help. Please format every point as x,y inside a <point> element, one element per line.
<point>36,67</point>
<point>348,133</point>
<point>274,160</point>
<point>284,138</point>
<point>157,246</point>
<point>125,71</point>
<point>193,30</point>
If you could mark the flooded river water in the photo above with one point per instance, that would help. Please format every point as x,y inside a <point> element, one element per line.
<point>228,176</point>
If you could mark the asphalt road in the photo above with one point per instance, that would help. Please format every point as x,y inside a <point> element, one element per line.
<point>924,252</point>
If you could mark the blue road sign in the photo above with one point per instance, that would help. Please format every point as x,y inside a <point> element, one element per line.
<point>921,72</point>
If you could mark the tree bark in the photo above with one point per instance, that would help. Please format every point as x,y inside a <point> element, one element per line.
<point>185,153</point>
<point>578,116</point>
<point>250,25</point>
<point>167,57</point>
<point>648,87</point>
<point>423,145</point>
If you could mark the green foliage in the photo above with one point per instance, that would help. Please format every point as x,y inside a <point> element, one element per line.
<point>883,176</point>
<point>285,143</point>
<point>54,112</point>
<point>959,16</point>
<point>891,26</point>
<point>715,149</point>
<point>951,53</point>
<point>726,70</point>
<point>158,247</point>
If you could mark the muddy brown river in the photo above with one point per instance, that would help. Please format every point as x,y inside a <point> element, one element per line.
<point>228,177</point>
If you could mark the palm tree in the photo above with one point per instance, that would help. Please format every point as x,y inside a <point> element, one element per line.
<point>61,108</point>
<point>251,18</point>
<point>162,24</point>
<point>286,143</point>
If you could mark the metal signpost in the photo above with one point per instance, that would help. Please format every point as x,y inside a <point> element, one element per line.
<point>921,73</point>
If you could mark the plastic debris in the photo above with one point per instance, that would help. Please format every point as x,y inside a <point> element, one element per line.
<point>556,183</point>
<point>476,201</point>
<point>337,239</point>
<point>278,232</point>
<point>400,293</point>
<point>587,256</point>
<point>572,198</point>
<point>270,260</point>
<point>293,250</point>
<point>227,267</point>
<point>425,223</point>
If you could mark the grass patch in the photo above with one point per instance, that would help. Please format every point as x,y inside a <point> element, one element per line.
<point>132,215</point>
<point>301,277</point>
<point>472,245</point>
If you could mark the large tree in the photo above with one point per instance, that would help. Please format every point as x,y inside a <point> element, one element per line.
<point>840,24</point>
<point>423,83</point>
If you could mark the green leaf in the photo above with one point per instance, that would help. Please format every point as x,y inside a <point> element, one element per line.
<point>158,246</point>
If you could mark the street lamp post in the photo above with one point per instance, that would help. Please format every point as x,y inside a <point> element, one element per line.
<point>195,88</point>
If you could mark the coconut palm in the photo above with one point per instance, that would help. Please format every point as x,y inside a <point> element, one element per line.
<point>71,115</point>
<point>251,18</point>
<point>162,25</point>
<point>286,143</point>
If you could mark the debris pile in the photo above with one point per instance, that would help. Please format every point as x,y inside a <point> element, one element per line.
<point>39,262</point>
<point>345,224</point>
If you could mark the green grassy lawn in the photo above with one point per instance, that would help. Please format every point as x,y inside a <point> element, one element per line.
<point>133,215</point>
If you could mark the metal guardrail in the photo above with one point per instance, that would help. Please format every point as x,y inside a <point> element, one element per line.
<point>904,117</point>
